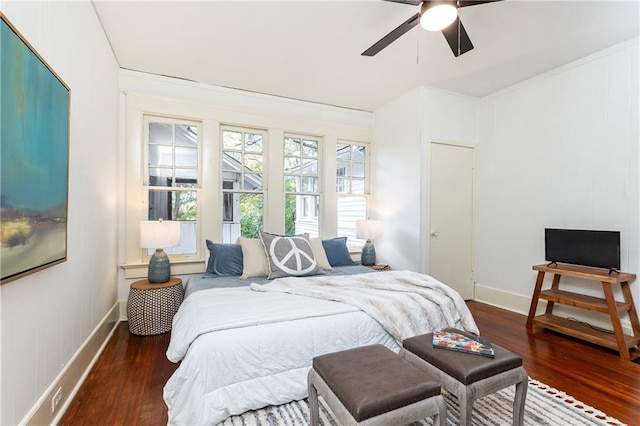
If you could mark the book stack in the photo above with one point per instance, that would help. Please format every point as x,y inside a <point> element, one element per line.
<point>475,345</point>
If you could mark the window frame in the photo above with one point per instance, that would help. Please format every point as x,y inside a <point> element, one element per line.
<point>147,188</point>
<point>306,197</point>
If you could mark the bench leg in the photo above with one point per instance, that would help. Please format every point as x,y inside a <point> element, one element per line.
<point>520,398</point>
<point>441,417</point>
<point>314,414</point>
<point>465,403</point>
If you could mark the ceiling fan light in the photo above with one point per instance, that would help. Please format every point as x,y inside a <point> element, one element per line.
<point>437,16</point>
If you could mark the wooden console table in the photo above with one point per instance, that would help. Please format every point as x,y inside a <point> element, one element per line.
<point>617,340</point>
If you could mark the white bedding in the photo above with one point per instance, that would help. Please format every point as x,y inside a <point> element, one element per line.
<point>265,360</point>
<point>242,350</point>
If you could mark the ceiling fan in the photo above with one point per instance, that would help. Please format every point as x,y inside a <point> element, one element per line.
<point>434,15</point>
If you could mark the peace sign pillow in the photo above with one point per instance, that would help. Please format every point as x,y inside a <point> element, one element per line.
<point>289,255</point>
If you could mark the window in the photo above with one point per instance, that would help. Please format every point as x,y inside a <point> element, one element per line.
<point>352,187</point>
<point>242,182</point>
<point>171,177</point>
<point>186,161</point>
<point>301,185</point>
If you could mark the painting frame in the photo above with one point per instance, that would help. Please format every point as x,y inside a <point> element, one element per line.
<point>35,109</point>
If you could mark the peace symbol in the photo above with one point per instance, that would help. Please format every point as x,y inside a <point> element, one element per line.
<point>303,260</point>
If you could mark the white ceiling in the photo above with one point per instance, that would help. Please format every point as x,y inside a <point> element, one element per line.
<point>310,50</point>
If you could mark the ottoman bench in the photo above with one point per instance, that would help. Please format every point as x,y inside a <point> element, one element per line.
<point>467,376</point>
<point>372,385</point>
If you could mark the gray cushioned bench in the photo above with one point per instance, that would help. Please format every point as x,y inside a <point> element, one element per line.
<point>469,377</point>
<point>372,385</point>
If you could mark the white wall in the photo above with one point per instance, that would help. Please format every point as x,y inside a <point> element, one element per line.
<point>48,315</point>
<point>559,150</point>
<point>404,129</point>
<point>396,169</point>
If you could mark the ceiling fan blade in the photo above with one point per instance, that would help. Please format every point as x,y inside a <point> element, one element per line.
<point>392,36</point>
<point>457,38</point>
<point>465,3</point>
<point>411,2</point>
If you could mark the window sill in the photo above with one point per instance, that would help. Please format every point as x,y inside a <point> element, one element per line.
<point>140,270</point>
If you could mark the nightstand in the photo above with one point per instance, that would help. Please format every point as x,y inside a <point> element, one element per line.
<point>151,306</point>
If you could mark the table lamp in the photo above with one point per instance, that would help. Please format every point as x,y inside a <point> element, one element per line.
<point>369,230</point>
<point>159,234</point>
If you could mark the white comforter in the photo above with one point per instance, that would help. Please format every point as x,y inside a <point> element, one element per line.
<point>242,350</point>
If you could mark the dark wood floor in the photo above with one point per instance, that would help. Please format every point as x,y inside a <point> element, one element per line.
<point>125,385</point>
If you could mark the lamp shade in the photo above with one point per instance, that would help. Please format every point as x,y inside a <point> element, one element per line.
<point>159,234</point>
<point>368,229</point>
<point>437,15</point>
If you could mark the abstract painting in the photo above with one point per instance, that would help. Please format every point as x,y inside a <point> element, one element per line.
<point>34,159</point>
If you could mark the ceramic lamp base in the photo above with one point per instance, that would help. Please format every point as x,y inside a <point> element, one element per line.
<point>368,256</point>
<point>159,267</point>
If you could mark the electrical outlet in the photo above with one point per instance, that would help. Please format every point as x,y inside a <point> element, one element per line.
<point>55,400</point>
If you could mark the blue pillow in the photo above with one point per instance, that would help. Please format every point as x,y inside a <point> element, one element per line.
<point>337,251</point>
<point>224,259</point>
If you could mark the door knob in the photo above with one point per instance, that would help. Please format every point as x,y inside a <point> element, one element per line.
<point>434,234</point>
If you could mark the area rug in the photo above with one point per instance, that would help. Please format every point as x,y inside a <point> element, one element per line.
<point>545,406</point>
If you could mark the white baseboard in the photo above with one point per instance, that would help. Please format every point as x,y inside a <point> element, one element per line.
<point>74,373</point>
<point>520,304</point>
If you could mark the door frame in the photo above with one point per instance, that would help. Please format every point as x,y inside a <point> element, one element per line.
<point>425,196</point>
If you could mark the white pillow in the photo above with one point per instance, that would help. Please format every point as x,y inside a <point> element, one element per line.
<point>255,263</point>
<point>320,254</point>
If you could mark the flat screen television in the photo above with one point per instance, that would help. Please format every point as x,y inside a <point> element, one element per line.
<point>600,249</point>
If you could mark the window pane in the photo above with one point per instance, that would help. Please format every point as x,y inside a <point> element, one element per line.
<point>186,135</point>
<point>291,164</point>
<point>343,169</point>
<point>231,160</point>
<point>186,157</point>
<point>183,175</point>
<point>231,140</point>
<point>253,142</point>
<point>357,186</point>
<point>172,205</point>
<point>310,149</point>
<point>160,133</point>
<point>160,155</point>
<point>251,215</point>
<point>310,184</point>
<point>343,186</point>
<point>291,183</point>
<point>301,215</point>
<point>310,167</point>
<point>159,177</point>
<point>253,162</point>
<point>243,216</point>
<point>343,151</point>
<point>358,153</point>
<point>351,209</point>
<point>351,169</point>
<point>291,146</point>
<point>252,181</point>
<point>357,170</point>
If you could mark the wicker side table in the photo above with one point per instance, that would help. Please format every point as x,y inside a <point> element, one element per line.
<point>151,306</point>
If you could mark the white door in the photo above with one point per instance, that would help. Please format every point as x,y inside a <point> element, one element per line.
<point>451,216</point>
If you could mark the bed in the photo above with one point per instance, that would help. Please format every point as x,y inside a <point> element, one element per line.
<point>244,344</point>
